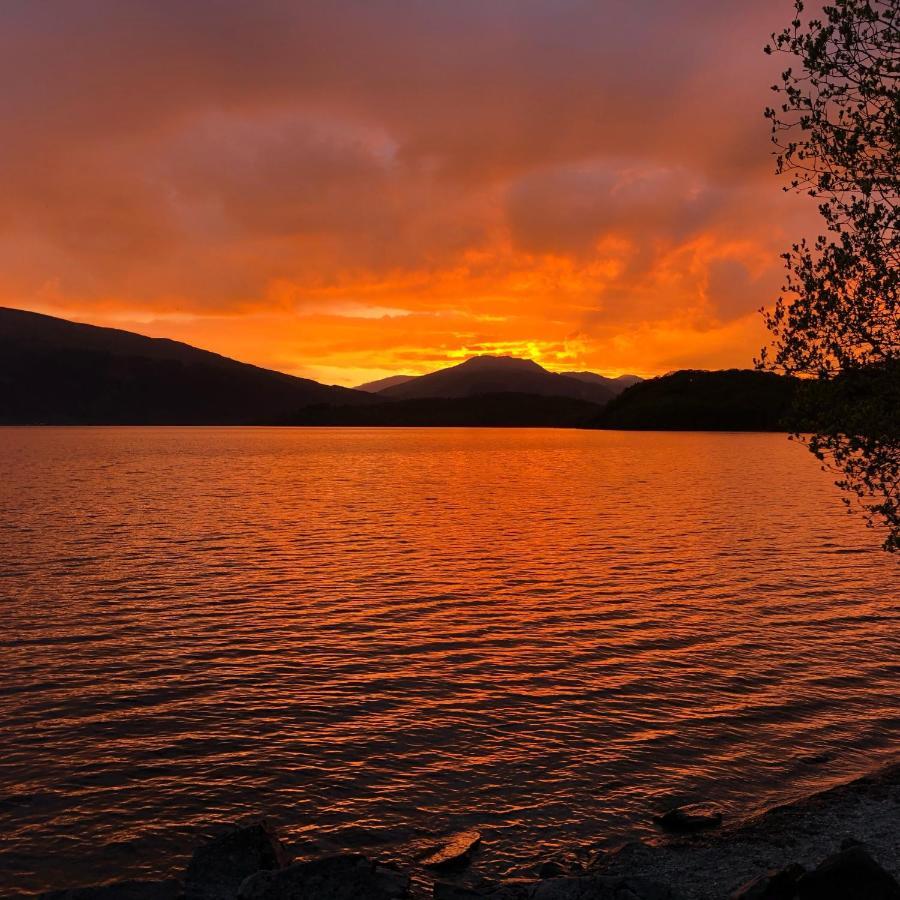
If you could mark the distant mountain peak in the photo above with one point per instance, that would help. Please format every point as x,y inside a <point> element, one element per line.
<point>507,363</point>
<point>488,374</point>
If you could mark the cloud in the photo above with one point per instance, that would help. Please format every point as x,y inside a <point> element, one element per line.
<point>735,291</point>
<point>503,173</point>
<point>570,208</point>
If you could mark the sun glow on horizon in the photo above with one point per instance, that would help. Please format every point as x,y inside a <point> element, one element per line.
<point>345,229</point>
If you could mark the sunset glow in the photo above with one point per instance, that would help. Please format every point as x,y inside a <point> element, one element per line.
<point>344,198</point>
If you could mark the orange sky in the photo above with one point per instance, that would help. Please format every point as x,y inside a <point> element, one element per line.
<point>347,190</point>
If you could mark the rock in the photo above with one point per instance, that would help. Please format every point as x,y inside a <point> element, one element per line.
<point>596,860</point>
<point>777,885</point>
<point>562,863</point>
<point>632,887</point>
<point>218,867</point>
<point>455,853</point>
<point>688,819</point>
<point>816,759</point>
<point>123,890</point>
<point>634,857</point>
<point>850,873</point>
<point>445,891</point>
<point>551,869</point>
<point>585,887</point>
<point>640,888</point>
<point>345,876</point>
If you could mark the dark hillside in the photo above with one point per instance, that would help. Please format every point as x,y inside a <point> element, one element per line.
<point>730,400</point>
<point>53,371</point>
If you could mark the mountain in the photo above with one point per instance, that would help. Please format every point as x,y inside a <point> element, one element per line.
<point>481,410</point>
<point>497,375</point>
<point>690,400</point>
<point>374,387</point>
<point>59,372</point>
<point>615,384</point>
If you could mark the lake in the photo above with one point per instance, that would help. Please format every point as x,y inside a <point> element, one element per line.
<point>377,636</point>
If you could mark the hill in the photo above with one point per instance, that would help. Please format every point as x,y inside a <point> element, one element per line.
<point>373,387</point>
<point>58,372</point>
<point>483,410</point>
<point>497,375</point>
<point>53,371</point>
<point>617,385</point>
<point>690,400</point>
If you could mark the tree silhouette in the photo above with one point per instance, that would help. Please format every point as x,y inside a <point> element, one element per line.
<point>837,134</point>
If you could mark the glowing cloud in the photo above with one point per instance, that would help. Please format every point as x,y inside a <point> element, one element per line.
<point>347,190</point>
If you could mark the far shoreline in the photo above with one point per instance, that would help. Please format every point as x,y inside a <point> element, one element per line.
<point>343,427</point>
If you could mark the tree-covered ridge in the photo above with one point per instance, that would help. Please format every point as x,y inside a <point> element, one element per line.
<point>731,400</point>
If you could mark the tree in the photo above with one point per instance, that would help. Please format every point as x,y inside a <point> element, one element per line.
<point>837,134</point>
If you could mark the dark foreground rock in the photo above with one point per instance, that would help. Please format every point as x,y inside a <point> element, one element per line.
<point>553,868</point>
<point>689,819</point>
<point>218,867</point>
<point>584,887</point>
<point>347,876</point>
<point>850,873</point>
<point>123,890</point>
<point>455,853</point>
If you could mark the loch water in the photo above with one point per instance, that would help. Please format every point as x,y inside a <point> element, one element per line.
<point>379,636</point>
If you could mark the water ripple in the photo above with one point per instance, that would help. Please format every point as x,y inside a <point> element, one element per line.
<point>376,636</point>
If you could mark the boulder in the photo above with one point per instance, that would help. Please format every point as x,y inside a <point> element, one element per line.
<point>345,876</point>
<point>585,887</point>
<point>603,887</point>
<point>775,885</point>
<point>219,866</point>
<point>633,856</point>
<point>445,891</point>
<point>552,868</point>
<point>850,873</point>
<point>596,860</point>
<point>563,863</point>
<point>455,853</point>
<point>123,890</point>
<point>816,759</point>
<point>688,819</point>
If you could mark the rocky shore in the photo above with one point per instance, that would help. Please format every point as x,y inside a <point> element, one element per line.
<point>840,844</point>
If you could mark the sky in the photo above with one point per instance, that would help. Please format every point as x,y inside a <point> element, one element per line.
<point>349,189</point>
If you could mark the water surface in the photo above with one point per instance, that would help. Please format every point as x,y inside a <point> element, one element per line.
<point>377,636</point>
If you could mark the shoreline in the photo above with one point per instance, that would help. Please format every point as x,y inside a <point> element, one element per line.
<point>711,865</point>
